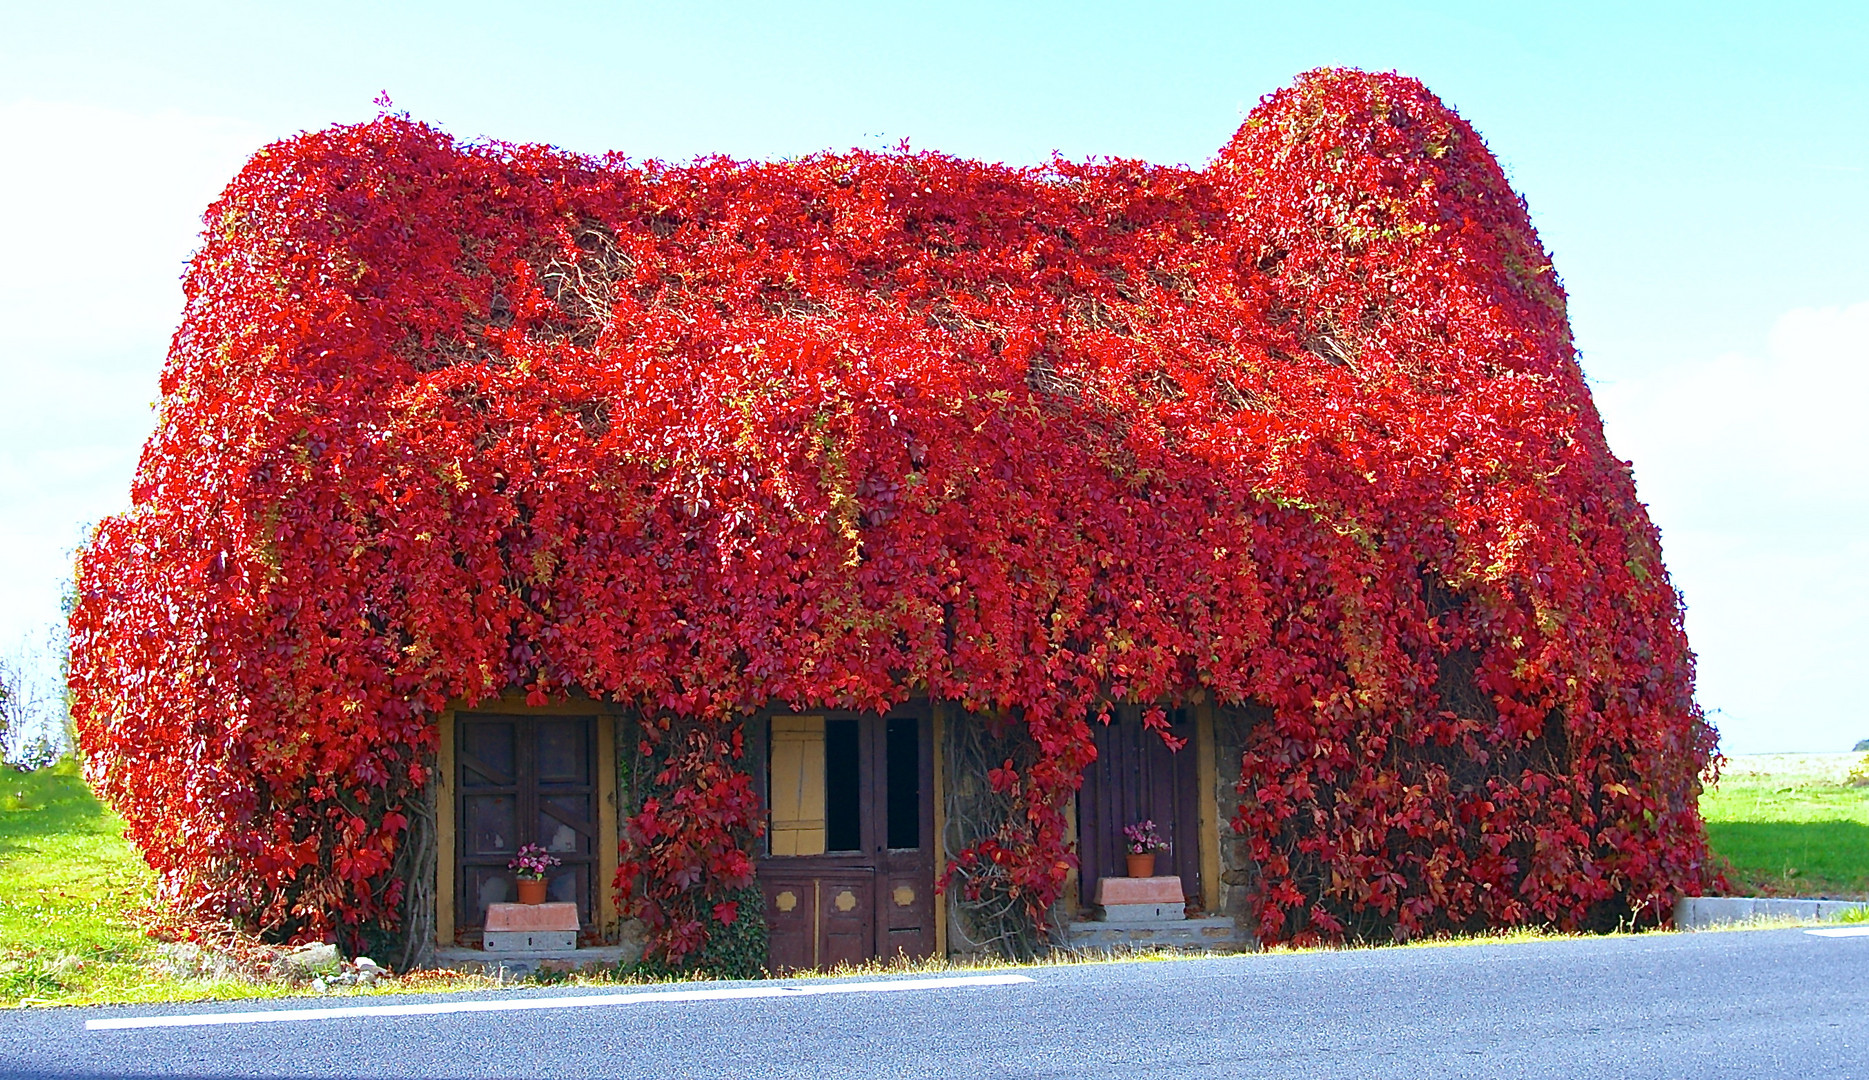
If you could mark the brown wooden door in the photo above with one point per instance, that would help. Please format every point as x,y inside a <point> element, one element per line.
<point>524,780</point>
<point>1136,777</point>
<point>849,876</point>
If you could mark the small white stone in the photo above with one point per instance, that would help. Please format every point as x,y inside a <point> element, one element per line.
<point>319,956</point>
<point>318,986</point>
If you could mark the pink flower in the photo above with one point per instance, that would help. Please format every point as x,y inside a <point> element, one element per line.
<point>532,861</point>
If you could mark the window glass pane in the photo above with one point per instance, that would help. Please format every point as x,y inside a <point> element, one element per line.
<point>484,885</point>
<point>487,754</point>
<point>843,777</point>
<point>564,751</point>
<point>492,825</point>
<point>559,819</point>
<point>561,886</point>
<point>905,772</point>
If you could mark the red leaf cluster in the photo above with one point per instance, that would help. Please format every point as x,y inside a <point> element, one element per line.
<point>689,844</point>
<point>1303,428</point>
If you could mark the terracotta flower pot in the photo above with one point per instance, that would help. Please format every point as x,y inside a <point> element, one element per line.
<point>1142,865</point>
<point>532,890</point>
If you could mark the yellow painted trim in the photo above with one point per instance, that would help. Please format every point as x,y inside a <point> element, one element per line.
<point>444,832</point>
<point>1073,894</point>
<point>514,702</point>
<point>938,714</point>
<point>606,766</point>
<point>1205,787</point>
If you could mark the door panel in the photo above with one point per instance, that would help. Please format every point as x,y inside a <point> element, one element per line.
<point>847,910</point>
<point>524,780</point>
<point>791,919</point>
<point>905,908</point>
<point>908,904</point>
<point>1137,777</point>
<point>850,870</point>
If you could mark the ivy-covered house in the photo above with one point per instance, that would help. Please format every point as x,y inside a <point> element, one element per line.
<point>827,558</point>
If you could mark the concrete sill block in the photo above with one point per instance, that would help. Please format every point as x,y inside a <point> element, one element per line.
<point>528,941</point>
<point>1139,890</point>
<point>1702,912</point>
<point>1206,934</point>
<point>1141,913</point>
<point>556,917</point>
<point>515,965</point>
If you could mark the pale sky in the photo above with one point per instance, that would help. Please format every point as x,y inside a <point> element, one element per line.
<point>1699,171</point>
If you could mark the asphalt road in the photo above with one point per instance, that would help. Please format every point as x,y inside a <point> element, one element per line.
<point>1778,1003</point>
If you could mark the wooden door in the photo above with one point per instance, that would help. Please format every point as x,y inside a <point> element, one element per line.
<point>1135,778</point>
<point>849,874</point>
<point>524,780</point>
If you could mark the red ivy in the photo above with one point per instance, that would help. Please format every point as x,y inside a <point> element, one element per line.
<point>1300,428</point>
<point>690,842</point>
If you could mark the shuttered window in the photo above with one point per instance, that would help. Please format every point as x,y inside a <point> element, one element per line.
<point>797,785</point>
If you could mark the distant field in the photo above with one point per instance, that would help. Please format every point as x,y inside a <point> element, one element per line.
<point>1789,825</point>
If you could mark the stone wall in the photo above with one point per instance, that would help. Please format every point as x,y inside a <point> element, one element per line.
<point>993,925</point>
<point>635,773</point>
<point>1239,875</point>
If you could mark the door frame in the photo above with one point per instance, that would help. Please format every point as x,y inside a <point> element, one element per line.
<point>1190,791</point>
<point>447,797</point>
<point>918,867</point>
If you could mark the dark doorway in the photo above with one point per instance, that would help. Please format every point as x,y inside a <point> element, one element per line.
<point>1137,777</point>
<point>849,874</point>
<point>523,780</point>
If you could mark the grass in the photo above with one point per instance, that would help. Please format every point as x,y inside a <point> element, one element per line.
<point>68,883</point>
<point>1791,825</point>
<point>70,891</point>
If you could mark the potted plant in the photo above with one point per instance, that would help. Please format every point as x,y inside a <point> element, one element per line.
<point>1142,843</point>
<point>530,866</point>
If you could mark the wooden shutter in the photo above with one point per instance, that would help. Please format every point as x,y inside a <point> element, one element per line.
<point>797,785</point>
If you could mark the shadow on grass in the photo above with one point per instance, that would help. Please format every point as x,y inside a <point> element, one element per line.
<point>1794,857</point>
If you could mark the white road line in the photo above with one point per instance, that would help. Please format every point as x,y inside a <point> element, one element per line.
<point>587,1001</point>
<point>1840,931</point>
